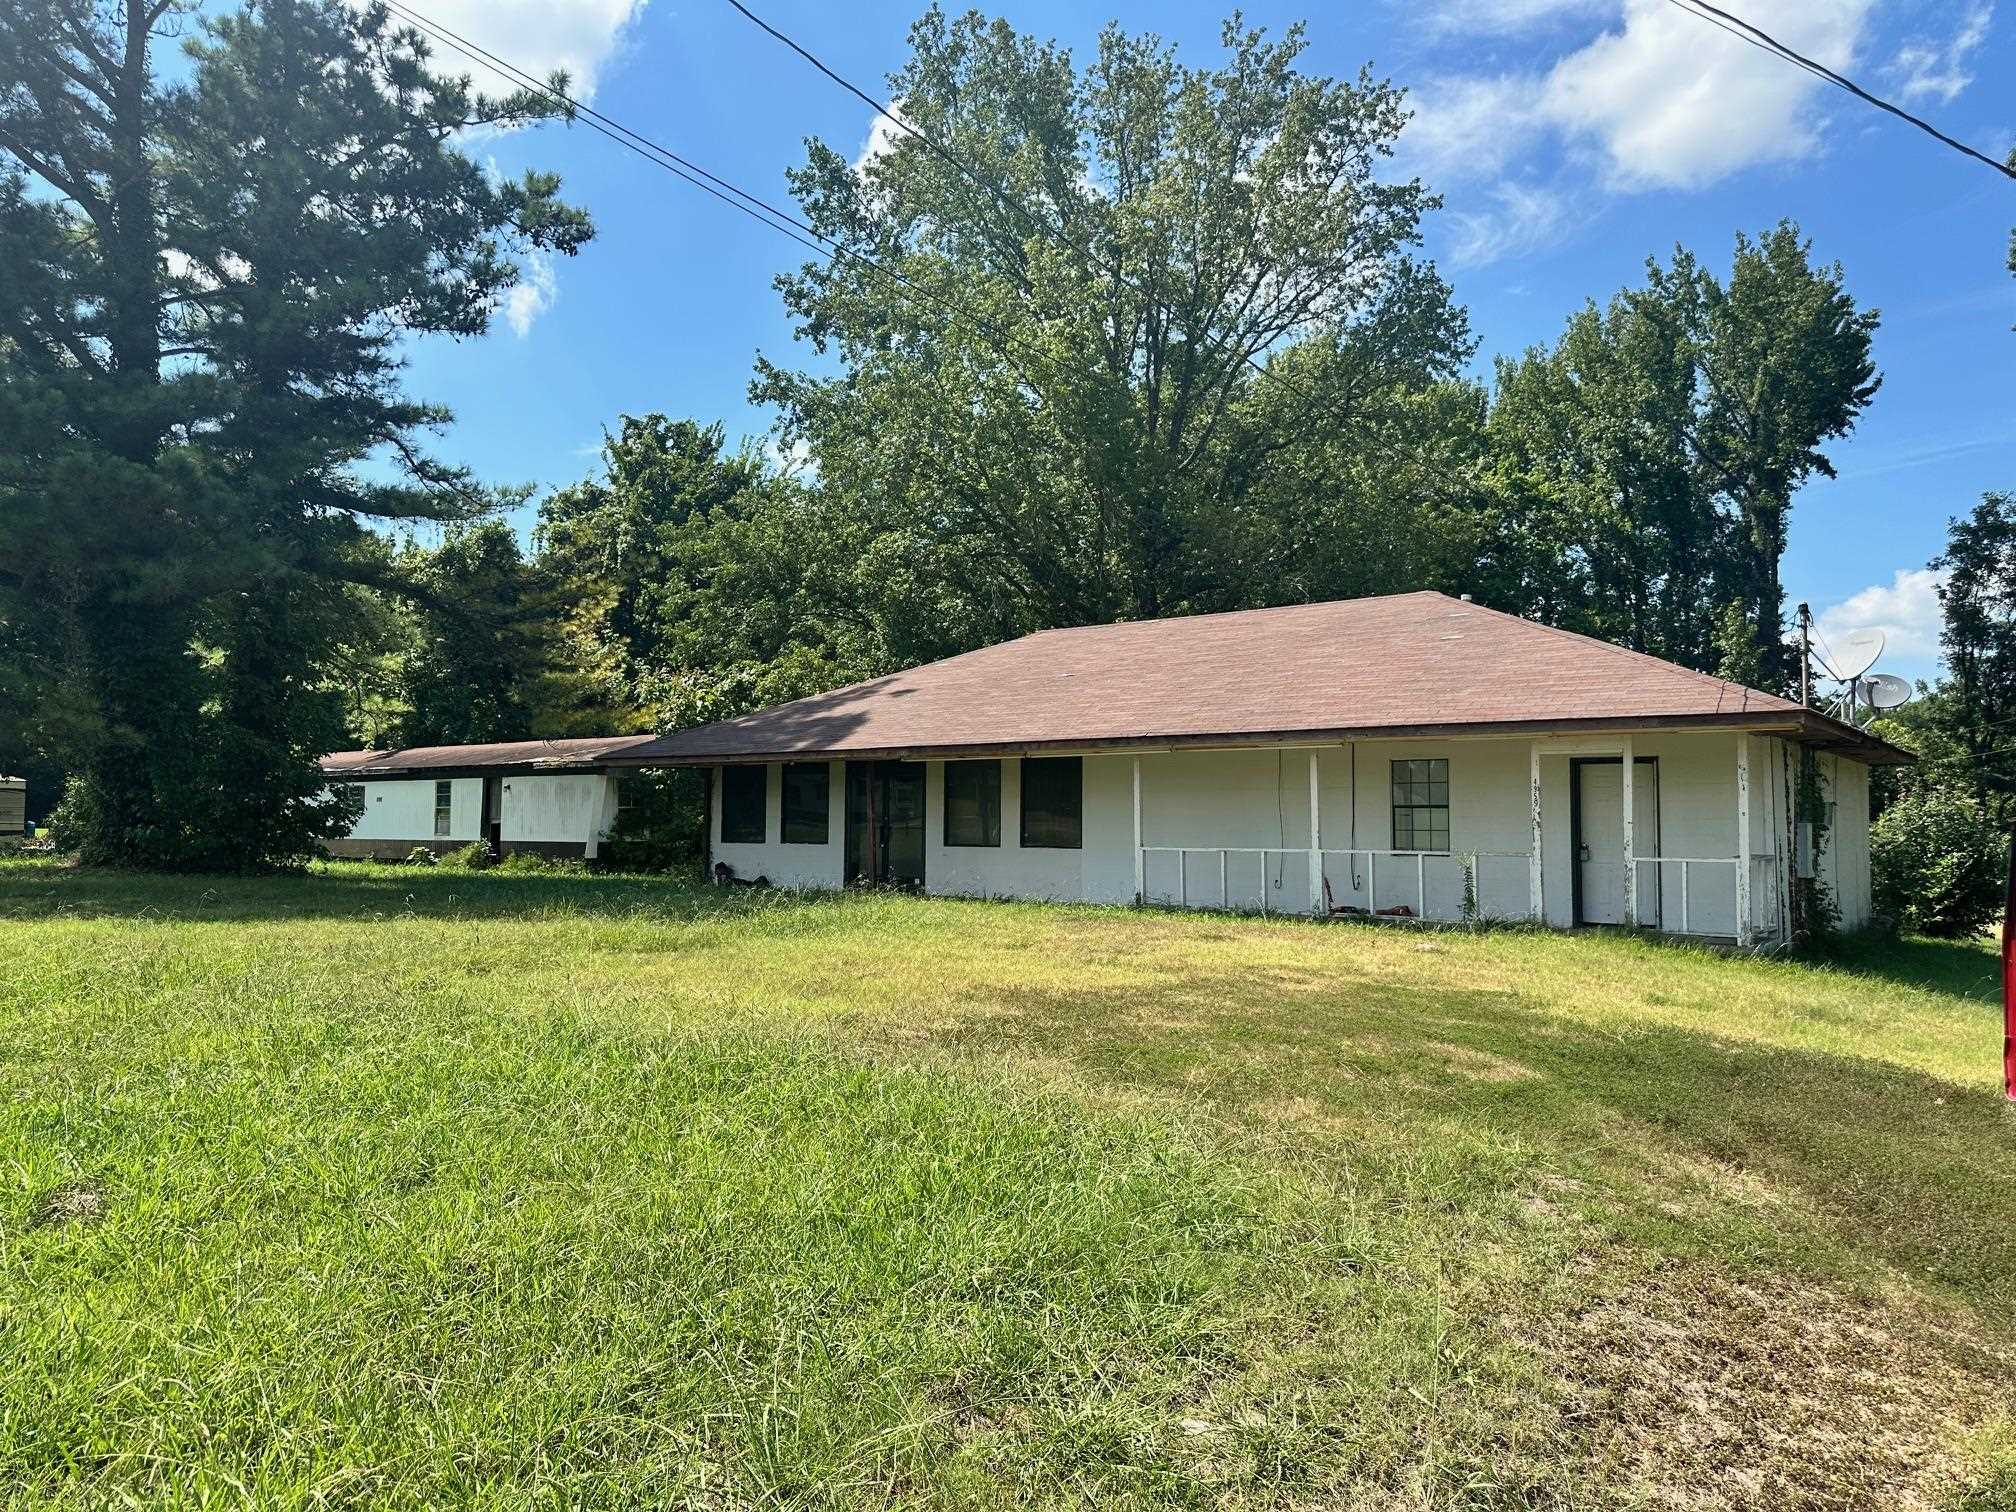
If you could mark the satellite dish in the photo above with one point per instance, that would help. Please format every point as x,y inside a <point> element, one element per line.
<point>1856,654</point>
<point>1881,690</point>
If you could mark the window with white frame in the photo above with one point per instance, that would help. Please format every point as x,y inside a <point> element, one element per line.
<point>1421,804</point>
<point>444,809</point>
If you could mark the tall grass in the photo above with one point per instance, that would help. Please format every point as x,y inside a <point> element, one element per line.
<point>390,1187</point>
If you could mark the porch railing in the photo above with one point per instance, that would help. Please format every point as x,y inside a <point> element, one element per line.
<point>1216,869</point>
<point>1475,885</point>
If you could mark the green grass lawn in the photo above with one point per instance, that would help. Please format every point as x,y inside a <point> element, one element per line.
<point>390,1187</point>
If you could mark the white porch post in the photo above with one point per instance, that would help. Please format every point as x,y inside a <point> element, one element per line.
<point>1630,841</point>
<point>1315,833</point>
<point>1140,861</point>
<point>1536,893</point>
<point>1744,931</point>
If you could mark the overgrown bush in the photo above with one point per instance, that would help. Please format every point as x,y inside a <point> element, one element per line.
<point>1936,862</point>
<point>663,823</point>
<point>475,856</point>
<point>421,855</point>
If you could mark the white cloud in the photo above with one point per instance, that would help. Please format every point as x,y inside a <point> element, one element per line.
<point>1659,100</point>
<point>793,459</point>
<point>533,295</point>
<point>1906,610</point>
<point>538,36</point>
<point>1669,101</point>
<point>1520,219</point>
<point>883,136</point>
<point>1465,129</point>
<point>1938,70</point>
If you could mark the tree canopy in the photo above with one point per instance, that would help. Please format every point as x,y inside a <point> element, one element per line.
<point>200,343</point>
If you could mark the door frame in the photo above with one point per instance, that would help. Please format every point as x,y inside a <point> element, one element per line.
<point>490,825</point>
<point>1575,766</point>
<point>876,862</point>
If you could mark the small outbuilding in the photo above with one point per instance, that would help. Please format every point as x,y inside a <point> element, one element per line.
<point>13,807</point>
<point>1413,755</point>
<point>555,797</point>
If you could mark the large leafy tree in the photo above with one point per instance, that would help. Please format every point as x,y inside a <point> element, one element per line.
<point>1977,713</point>
<point>1644,467</point>
<point>693,581</point>
<point>1062,418</point>
<point>200,342</point>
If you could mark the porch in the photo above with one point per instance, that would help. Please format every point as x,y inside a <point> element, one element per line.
<point>1676,833</point>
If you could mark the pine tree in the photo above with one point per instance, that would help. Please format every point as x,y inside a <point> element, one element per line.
<point>210,282</point>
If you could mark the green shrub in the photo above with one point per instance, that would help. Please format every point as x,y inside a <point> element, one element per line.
<point>532,861</point>
<point>663,825</point>
<point>421,855</point>
<point>475,856</point>
<point>1936,862</point>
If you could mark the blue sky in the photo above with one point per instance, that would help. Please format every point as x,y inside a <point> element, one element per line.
<point>1569,139</point>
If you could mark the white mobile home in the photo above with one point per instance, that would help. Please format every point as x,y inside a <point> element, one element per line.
<point>1411,755</point>
<point>556,797</point>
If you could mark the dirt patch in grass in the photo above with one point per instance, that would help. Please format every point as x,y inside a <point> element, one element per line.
<point>74,1202</point>
<point>1688,1388</point>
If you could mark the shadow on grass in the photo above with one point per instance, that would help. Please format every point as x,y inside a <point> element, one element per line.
<point>1969,968</point>
<point>1698,1131</point>
<point>364,890</point>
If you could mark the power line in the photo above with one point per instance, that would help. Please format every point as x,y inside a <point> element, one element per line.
<point>754,206</point>
<point>1042,224</point>
<point>1744,31</point>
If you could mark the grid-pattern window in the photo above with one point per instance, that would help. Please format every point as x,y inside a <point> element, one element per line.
<point>807,801</point>
<point>1053,802</point>
<point>444,809</point>
<point>743,821</point>
<point>972,803</point>
<point>1421,805</point>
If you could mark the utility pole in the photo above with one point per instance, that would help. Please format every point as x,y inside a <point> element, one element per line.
<point>1805,656</point>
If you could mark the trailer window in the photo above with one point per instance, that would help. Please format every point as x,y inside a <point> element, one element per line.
<point>444,809</point>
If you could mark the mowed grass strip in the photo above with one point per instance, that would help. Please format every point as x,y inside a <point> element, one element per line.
<point>390,1187</point>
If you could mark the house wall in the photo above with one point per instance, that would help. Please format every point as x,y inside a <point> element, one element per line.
<point>403,810</point>
<point>810,866</point>
<point>1845,862</point>
<point>1253,800</point>
<point>572,811</point>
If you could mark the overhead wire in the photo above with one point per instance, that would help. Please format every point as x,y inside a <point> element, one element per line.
<point>1757,37</point>
<point>1042,224</point>
<point>752,205</point>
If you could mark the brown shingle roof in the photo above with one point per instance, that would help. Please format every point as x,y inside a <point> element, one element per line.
<point>1411,662</point>
<point>527,755</point>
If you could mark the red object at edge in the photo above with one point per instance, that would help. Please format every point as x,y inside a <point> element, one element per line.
<point>2009,981</point>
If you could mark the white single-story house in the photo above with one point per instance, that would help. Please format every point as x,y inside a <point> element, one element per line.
<point>556,797</point>
<point>1413,754</point>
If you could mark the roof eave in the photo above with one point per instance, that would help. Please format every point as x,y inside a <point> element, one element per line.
<point>1804,723</point>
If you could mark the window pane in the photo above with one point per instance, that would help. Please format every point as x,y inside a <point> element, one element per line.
<point>1053,797</point>
<point>444,808</point>
<point>743,821</point>
<point>1421,804</point>
<point>807,791</point>
<point>972,803</point>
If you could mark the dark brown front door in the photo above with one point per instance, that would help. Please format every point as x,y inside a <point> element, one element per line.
<point>885,823</point>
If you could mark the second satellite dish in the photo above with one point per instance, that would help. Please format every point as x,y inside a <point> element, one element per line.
<point>1882,690</point>
<point>1856,653</point>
